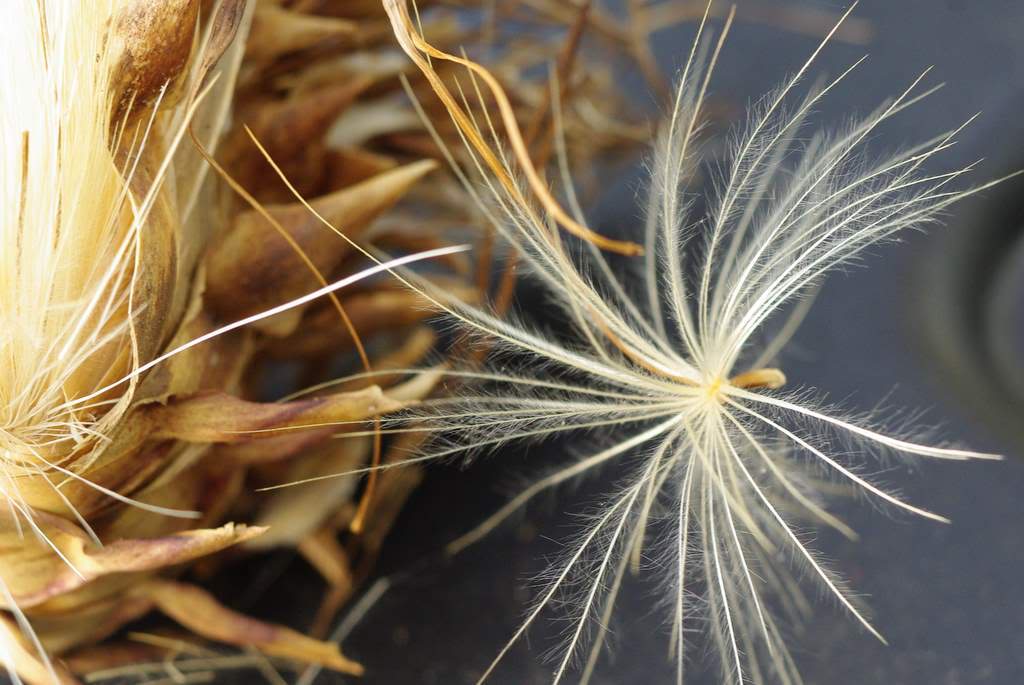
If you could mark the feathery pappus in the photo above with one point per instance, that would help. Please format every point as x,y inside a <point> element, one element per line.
<point>721,461</point>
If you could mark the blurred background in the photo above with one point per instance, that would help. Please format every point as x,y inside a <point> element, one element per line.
<point>935,323</point>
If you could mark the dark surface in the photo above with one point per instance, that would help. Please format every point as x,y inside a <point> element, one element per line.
<point>907,328</point>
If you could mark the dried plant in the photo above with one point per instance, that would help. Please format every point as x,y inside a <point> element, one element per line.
<point>157,272</point>
<point>173,195</point>
<point>136,303</point>
<point>722,465</point>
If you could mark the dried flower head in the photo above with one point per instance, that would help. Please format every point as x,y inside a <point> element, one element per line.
<point>722,463</point>
<point>125,433</point>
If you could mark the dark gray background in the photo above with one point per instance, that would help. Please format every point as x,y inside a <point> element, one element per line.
<point>909,327</point>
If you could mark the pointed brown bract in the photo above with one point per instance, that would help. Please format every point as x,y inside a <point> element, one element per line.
<point>277,31</point>
<point>221,418</point>
<point>292,131</point>
<point>200,611</point>
<point>244,280</point>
